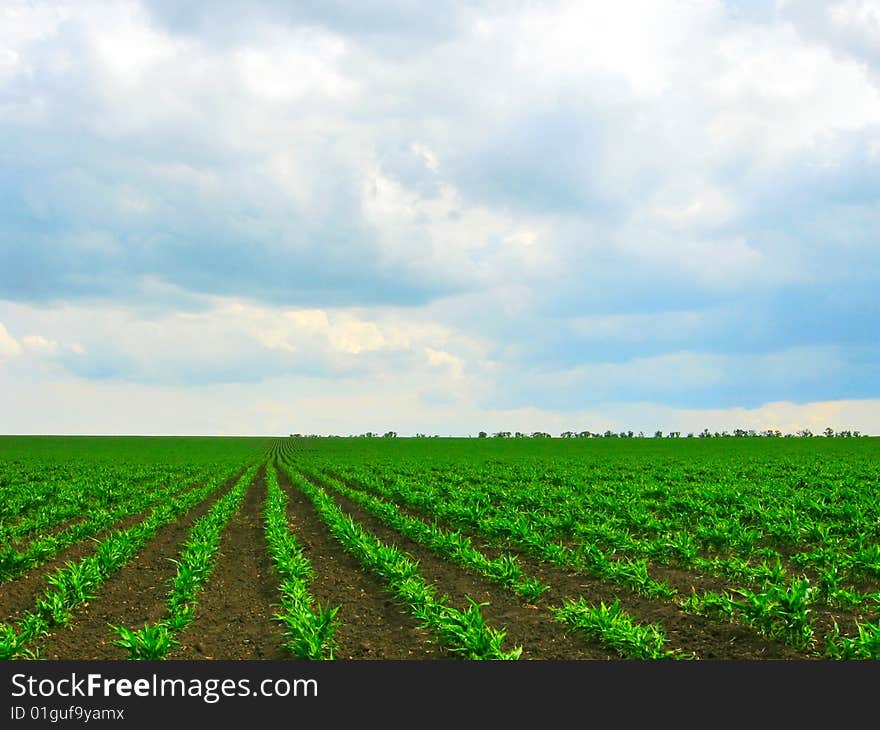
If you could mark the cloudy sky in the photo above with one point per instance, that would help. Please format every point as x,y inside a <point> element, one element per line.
<point>331,217</point>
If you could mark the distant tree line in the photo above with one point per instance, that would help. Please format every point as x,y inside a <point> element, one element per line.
<point>705,433</point>
<point>608,434</point>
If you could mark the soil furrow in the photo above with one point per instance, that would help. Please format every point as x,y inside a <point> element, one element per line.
<point>702,636</point>
<point>526,625</point>
<point>22,540</point>
<point>373,625</point>
<point>235,608</point>
<point>18,595</point>
<point>131,597</point>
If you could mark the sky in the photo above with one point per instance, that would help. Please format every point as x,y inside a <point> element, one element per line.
<point>330,217</point>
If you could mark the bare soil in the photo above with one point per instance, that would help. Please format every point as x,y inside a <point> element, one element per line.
<point>544,638</point>
<point>235,608</point>
<point>132,596</point>
<point>235,616</point>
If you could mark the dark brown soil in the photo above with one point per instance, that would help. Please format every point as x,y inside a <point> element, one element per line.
<point>19,595</point>
<point>234,618</point>
<point>131,597</point>
<point>22,541</point>
<point>525,625</point>
<point>693,635</point>
<point>235,608</point>
<point>373,625</point>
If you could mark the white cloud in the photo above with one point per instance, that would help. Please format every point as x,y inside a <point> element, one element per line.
<point>436,212</point>
<point>775,94</point>
<point>293,405</point>
<point>785,416</point>
<point>39,344</point>
<point>293,66</point>
<point>429,158</point>
<point>354,337</point>
<point>441,359</point>
<point>125,45</point>
<point>692,204</point>
<point>9,346</point>
<point>640,42</point>
<point>230,340</point>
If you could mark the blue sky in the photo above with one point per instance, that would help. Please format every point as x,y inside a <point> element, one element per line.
<point>334,217</point>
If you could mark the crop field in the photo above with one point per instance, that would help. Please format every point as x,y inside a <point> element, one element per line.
<point>439,548</point>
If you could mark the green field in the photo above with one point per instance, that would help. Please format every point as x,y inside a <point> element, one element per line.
<point>488,548</point>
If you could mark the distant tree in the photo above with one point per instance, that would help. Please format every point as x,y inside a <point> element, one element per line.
<point>829,432</point>
<point>483,434</point>
<point>585,435</point>
<point>390,435</point>
<point>502,434</point>
<point>567,435</point>
<point>705,434</point>
<point>658,434</point>
<point>519,435</point>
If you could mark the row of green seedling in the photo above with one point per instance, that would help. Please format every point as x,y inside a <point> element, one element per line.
<point>16,562</point>
<point>522,532</point>
<point>79,485</point>
<point>463,632</point>
<point>611,625</point>
<point>864,646</point>
<point>614,627</point>
<point>778,610</point>
<point>74,499</point>
<point>722,513</point>
<point>194,567</point>
<point>834,567</point>
<point>449,544</point>
<point>663,496</point>
<point>76,583</point>
<point>601,534</point>
<point>781,609</point>
<point>570,508</point>
<point>309,627</point>
<point>680,549</point>
<point>625,509</point>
